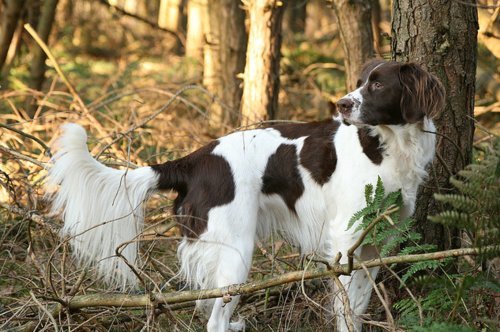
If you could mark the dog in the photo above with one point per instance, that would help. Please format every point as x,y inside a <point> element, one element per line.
<point>303,181</point>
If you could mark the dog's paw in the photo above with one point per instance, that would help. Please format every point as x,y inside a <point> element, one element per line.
<point>237,326</point>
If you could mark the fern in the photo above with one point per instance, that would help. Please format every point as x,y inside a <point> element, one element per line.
<point>471,294</point>
<point>390,233</point>
<point>475,207</point>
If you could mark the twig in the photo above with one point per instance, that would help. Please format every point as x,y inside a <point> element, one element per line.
<point>350,253</point>
<point>45,147</point>
<point>65,80</point>
<point>45,310</point>
<point>388,314</point>
<point>31,215</point>
<point>130,301</point>
<point>417,302</point>
<point>21,156</point>
<point>347,304</point>
<point>149,118</point>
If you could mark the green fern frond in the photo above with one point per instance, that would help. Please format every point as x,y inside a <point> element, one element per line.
<point>368,194</point>
<point>459,202</point>
<point>418,249</point>
<point>451,218</point>
<point>379,192</point>
<point>420,266</point>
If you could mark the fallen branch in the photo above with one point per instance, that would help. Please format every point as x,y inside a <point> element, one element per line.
<point>155,299</point>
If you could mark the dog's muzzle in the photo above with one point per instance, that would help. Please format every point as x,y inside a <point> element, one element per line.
<point>345,106</point>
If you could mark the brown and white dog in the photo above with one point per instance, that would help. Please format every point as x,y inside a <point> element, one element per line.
<point>303,181</point>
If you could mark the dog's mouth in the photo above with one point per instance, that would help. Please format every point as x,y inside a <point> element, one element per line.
<point>347,120</point>
<point>344,121</point>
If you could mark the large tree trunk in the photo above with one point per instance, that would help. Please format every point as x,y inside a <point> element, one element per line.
<point>10,17</point>
<point>224,59</point>
<point>37,70</point>
<point>196,17</point>
<point>442,36</point>
<point>261,79</point>
<point>356,34</point>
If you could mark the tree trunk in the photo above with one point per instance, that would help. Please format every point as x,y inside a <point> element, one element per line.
<point>442,36</point>
<point>261,79</point>
<point>224,59</point>
<point>10,18</point>
<point>14,47</point>
<point>33,15</point>
<point>377,31</point>
<point>356,34</point>
<point>294,21</point>
<point>37,70</point>
<point>196,15</point>
<point>317,18</point>
<point>170,17</point>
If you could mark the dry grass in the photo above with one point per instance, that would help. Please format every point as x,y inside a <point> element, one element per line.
<point>37,271</point>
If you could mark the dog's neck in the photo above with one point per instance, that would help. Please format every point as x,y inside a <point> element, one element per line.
<point>411,148</point>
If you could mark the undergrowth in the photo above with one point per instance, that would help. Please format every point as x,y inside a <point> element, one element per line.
<point>449,295</point>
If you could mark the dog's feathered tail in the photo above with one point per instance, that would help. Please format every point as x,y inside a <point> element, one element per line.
<point>102,207</point>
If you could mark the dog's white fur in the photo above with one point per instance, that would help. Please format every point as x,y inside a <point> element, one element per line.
<point>91,194</point>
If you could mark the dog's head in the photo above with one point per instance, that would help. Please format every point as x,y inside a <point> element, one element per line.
<point>391,93</point>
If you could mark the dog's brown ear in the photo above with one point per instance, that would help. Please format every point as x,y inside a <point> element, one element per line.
<point>423,94</point>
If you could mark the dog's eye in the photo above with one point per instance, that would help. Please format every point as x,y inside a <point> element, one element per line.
<point>377,85</point>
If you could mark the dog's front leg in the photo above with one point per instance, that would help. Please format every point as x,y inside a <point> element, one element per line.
<point>358,288</point>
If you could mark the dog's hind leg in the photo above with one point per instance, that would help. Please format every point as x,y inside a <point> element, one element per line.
<point>234,261</point>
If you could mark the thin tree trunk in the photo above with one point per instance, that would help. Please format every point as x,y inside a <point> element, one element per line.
<point>442,36</point>
<point>294,20</point>
<point>34,12</point>
<point>317,18</point>
<point>10,18</point>
<point>196,17</point>
<point>11,55</point>
<point>356,34</point>
<point>67,10</point>
<point>170,17</point>
<point>224,59</point>
<point>170,14</point>
<point>37,70</point>
<point>261,79</point>
<point>376,20</point>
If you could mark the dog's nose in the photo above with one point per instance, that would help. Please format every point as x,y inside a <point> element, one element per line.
<point>345,105</point>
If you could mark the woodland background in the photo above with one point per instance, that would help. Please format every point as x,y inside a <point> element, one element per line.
<point>154,80</point>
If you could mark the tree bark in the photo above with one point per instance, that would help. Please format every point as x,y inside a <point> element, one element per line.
<point>196,17</point>
<point>10,18</point>
<point>13,50</point>
<point>170,17</point>
<point>170,14</point>
<point>224,59</point>
<point>37,70</point>
<point>442,36</point>
<point>356,34</point>
<point>377,31</point>
<point>261,79</point>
